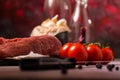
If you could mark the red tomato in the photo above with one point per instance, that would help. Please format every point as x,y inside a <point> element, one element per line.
<point>64,50</point>
<point>78,52</point>
<point>107,54</point>
<point>94,53</point>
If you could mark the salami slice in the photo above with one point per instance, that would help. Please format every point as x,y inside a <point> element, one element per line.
<point>55,45</point>
<point>46,45</point>
<point>15,47</point>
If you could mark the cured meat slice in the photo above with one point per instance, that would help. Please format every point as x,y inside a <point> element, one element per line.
<point>36,44</point>
<point>55,44</point>
<point>46,45</point>
<point>50,45</point>
<point>15,47</point>
<point>2,40</point>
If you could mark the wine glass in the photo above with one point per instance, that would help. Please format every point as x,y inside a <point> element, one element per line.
<point>62,8</point>
<point>51,8</point>
<point>79,23</point>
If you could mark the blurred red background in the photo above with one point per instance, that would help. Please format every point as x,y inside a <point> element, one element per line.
<point>19,17</point>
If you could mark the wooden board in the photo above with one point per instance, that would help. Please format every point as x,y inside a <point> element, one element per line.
<point>86,73</point>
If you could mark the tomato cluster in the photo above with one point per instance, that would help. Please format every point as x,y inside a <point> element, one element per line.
<point>90,52</point>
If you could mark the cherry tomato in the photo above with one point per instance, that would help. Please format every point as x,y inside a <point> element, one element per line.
<point>94,53</point>
<point>107,54</point>
<point>64,50</point>
<point>78,52</point>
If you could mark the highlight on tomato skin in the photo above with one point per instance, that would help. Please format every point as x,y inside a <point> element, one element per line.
<point>64,50</point>
<point>78,52</point>
<point>94,53</point>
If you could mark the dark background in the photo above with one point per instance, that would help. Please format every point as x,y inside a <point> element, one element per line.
<point>19,17</point>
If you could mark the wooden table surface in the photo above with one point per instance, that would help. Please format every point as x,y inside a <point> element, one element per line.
<point>86,73</point>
